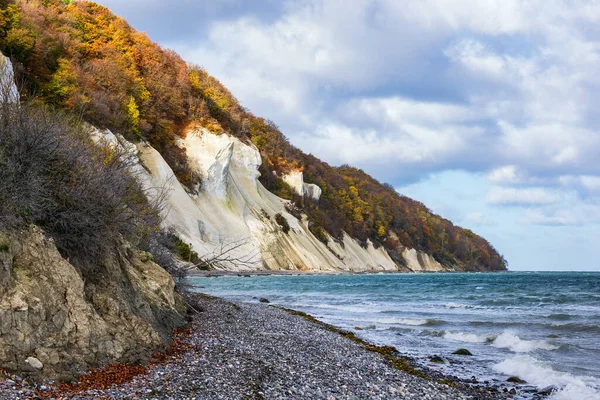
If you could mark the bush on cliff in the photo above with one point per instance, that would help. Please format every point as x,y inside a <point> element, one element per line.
<point>82,194</point>
<point>282,222</point>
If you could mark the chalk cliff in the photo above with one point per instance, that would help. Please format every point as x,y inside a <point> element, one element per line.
<point>296,181</point>
<point>233,213</point>
<point>8,89</point>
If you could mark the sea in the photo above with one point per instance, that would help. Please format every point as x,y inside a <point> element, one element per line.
<point>543,327</point>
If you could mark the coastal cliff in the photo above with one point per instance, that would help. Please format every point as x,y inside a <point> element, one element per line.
<point>230,210</point>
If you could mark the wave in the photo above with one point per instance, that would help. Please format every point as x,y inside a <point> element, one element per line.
<point>559,317</point>
<point>452,304</point>
<point>508,340</point>
<point>467,337</point>
<point>387,321</point>
<point>541,374</point>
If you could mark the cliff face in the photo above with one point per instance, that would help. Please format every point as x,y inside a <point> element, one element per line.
<point>8,89</point>
<point>233,217</point>
<point>55,324</point>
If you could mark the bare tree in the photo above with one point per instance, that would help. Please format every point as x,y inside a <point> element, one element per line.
<point>224,256</point>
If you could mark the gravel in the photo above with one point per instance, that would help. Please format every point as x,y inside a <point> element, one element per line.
<point>255,351</point>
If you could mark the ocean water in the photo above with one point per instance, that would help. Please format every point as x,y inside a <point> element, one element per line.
<point>542,327</point>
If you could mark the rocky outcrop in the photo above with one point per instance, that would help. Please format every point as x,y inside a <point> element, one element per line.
<point>57,321</point>
<point>296,180</point>
<point>8,89</point>
<point>421,262</point>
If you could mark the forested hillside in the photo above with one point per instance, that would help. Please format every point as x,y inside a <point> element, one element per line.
<point>79,56</point>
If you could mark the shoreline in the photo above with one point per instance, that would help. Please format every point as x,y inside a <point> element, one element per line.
<point>246,350</point>
<point>256,273</point>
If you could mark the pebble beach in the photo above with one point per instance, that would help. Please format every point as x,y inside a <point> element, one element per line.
<point>257,351</point>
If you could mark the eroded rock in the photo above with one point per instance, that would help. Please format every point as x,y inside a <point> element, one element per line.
<point>65,320</point>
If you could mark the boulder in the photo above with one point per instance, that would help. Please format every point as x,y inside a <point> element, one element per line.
<point>437,359</point>
<point>463,352</point>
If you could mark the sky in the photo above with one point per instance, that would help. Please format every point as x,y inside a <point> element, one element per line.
<point>484,110</point>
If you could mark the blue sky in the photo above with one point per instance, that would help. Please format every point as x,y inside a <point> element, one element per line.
<point>484,110</point>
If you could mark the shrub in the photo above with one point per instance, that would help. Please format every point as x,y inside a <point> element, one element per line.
<point>185,252</point>
<point>318,232</point>
<point>82,194</point>
<point>282,222</point>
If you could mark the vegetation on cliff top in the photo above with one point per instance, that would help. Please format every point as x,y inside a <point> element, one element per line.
<point>79,56</point>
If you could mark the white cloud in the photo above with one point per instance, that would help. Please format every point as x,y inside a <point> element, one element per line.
<point>555,218</point>
<point>507,175</point>
<point>517,196</point>
<point>588,184</point>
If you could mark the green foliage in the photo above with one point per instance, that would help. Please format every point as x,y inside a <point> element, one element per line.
<point>19,43</point>
<point>62,85</point>
<point>282,222</point>
<point>318,231</point>
<point>185,252</point>
<point>133,113</point>
<point>4,247</point>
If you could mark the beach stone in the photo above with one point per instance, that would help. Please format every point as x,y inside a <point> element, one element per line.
<point>34,363</point>
<point>264,300</point>
<point>548,390</point>
<point>437,359</point>
<point>463,352</point>
<point>516,379</point>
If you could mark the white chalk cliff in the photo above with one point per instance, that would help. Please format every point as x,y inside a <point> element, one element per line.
<point>296,180</point>
<point>232,211</point>
<point>8,89</point>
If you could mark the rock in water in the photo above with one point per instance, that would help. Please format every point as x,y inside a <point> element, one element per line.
<point>437,359</point>
<point>463,352</point>
<point>516,379</point>
<point>264,300</point>
<point>547,391</point>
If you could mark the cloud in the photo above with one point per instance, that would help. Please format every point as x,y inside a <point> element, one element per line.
<point>510,196</point>
<point>589,185</point>
<point>553,218</point>
<point>507,175</point>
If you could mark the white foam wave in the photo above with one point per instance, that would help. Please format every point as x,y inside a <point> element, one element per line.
<point>452,304</point>
<point>412,322</point>
<point>541,374</point>
<point>357,309</point>
<point>508,340</point>
<point>466,337</point>
<point>400,321</point>
<point>378,321</point>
